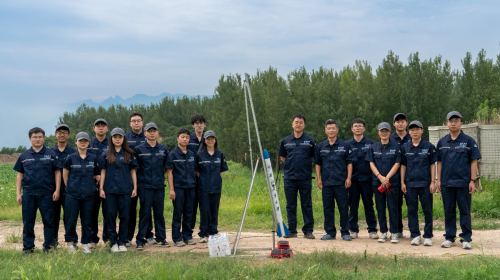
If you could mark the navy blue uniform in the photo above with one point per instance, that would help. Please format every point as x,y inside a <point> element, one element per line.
<point>297,168</point>
<point>38,185</point>
<point>455,157</point>
<point>151,190</point>
<point>361,186</point>
<point>384,157</point>
<point>62,194</point>
<point>80,194</point>
<point>195,146</point>
<point>183,167</point>
<point>401,141</point>
<point>210,180</point>
<point>97,147</point>
<point>418,160</point>
<point>334,160</point>
<point>118,187</point>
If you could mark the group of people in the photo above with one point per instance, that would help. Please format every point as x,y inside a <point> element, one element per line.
<point>401,164</point>
<point>114,175</point>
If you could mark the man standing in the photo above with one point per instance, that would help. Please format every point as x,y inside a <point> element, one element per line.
<point>39,177</point>
<point>296,152</point>
<point>198,122</point>
<point>361,186</point>
<point>334,159</point>
<point>457,170</point>
<point>62,150</point>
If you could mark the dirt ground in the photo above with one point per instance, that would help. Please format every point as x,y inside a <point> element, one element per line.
<point>485,242</point>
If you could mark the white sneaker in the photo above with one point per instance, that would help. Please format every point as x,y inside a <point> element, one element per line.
<point>394,238</point>
<point>179,243</point>
<point>427,242</point>
<point>72,249</point>
<point>86,249</point>
<point>203,240</point>
<point>122,248</point>
<point>128,244</point>
<point>383,238</point>
<point>446,244</point>
<point>354,235</point>
<point>373,235</point>
<point>91,245</point>
<point>151,241</point>
<point>115,249</point>
<point>190,242</point>
<point>416,241</point>
<point>466,245</point>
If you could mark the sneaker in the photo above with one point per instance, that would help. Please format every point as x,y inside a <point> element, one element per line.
<point>91,245</point>
<point>374,235</point>
<point>291,235</point>
<point>179,243</point>
<point>122,248</point>
<point>151,241</point>
<point>190,241</point>
<point>139,247</point>
<point>416,241</point>
<point>163,244</point>
<point>27,252</point>
<point>354,235</point>
<point>466,245</point>
<point>400,235</point>
<point>327,237</point>
<point>86,249</point>
<point>347,237</point>
<point>427,242</point>
<point>72,249</point>
<point>203,239</point>
<point>394,238</point>
<point>114,249</point>
<point>128,244</point>
<point>446,244</point>
<point>383,238</point>
<point>309,235</point>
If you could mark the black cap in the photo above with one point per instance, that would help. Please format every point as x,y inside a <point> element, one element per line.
<point>100,121</point>
<point>384,125</point>
<point>453,114</point>
<point>63,127</point>
<point>150,125</point>
<point>117,130</point>
<point>398,116</point>
<point>415,124</point>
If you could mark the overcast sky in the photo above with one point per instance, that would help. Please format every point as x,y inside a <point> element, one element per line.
<point>54,52</point>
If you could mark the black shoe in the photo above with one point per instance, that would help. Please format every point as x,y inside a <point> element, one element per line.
<point>292,235</point>
<point>163,244</point>
<point>309,235</point>
<point>140,247</point>
<point>27,252</point>
<point>46,250</point>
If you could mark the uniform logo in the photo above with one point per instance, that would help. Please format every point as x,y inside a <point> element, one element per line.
<point>91,163</point>
<point>368,146</point>
<point>340,148</point>
<point>463,144</point>
<point>162,152</point>
<point>424,151</point>
<point>47,156</point>
<point>392,151</point>
<point>306,142</point>
<point>475,145</point>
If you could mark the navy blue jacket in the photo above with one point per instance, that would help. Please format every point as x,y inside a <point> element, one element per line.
<point>333,160</point>
<point>210,167</point>
<point>81,175</point>
<point>183,168</point>
<point>361,168</point>
<point>418,161</point>
<point>456,156</point>
<point>38,170</point>
<point>134,139</point>
<point>151,161</point>
<point>400,141</point>
<point>384,158</point>
<point>118,179</point>
<point>62,158</point>
<point>299,153</point>
<point>97,148</point>
<point>194,144</point>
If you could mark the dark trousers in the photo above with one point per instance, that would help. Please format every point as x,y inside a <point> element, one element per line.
<point>363,190</point>
<point>330,195</point>
<point>383,202</point>
<point>95,219</point>
<point>151,198</point>
<point>303,187</point>
<point>30,204</point>
<point>196,202</point>
<point>412,197</point>
<point>183,214</point>
<point>132,220</point>
<point>400,208</point>
<point>209,213</point>
<point>451,198</point>
<point>117,204</point>
<point>57,215</point>
<point>73,207</point>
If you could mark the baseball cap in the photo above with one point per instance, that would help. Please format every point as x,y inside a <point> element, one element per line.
<point>399,115</point>
<point>62,126</point>
<point>384,125</point>
<point>117,130</point>
<point>453,114</point>
<point>415,124</point>
<point>209,133</point>
<point>150,125</point>
<point>100,121</point>
<point>82,135</point>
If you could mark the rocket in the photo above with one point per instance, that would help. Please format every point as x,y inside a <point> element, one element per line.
<point>282,230</point>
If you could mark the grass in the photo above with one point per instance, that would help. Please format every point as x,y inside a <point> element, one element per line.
<point>15,237</point>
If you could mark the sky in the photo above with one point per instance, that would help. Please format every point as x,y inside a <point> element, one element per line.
<point>56,52</point>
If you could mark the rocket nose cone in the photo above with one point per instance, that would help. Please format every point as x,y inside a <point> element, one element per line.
<point>266,154</point>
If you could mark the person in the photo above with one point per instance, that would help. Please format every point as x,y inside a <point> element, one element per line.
<point>79,173</point>
<point>198,122</point>
<point>62,151</point>
<point>211,162</point>
<point>296,152</point>
<point>117,186</point>
<point>418,170</point>
<point>384,158</point>
<point>458,155</point>
<point>151,157</point>
<point>181,168</point>
<point>333,160</point>
<point>136,137</point>
<point>401,137</point>
<point>40,180</point>
<point>97,146</point>
<point>361,183</point>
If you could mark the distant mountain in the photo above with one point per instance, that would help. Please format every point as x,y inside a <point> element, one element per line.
<point>136,99</point>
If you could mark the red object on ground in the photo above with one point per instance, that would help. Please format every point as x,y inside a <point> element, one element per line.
<point>283,245</point>
<point>276,254</point>
<point>286,253</point>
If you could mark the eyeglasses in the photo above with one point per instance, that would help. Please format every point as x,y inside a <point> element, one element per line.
<point>62,133</point>
<point>455,121</point>
<point>36,137</point>
<point>136,121</point>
